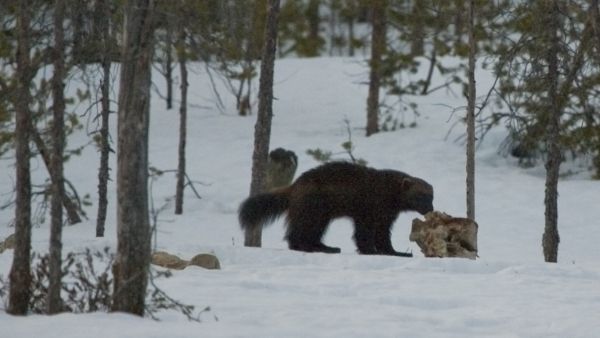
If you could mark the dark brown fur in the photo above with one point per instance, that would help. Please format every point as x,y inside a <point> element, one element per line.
<point>372,198</point>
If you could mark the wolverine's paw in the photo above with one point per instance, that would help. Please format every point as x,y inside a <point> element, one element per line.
<point>391,252</point>
<point>402,254</point>
<point>315,248</point>
<point>327,249</point>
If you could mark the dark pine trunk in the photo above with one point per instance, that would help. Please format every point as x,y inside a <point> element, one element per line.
<point>314,21</point>
<point>471,118</point>
<point>58,135</point>
<point>103,171</point>
<point>351,37</point>
<point>169,65</point>
<point>182,124</point>
<point>132,262</point>
<point>378,42</point>
<point>20,272</point>
<point>551,238</point>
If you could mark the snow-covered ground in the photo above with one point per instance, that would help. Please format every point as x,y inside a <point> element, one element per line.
<point>274,292</point>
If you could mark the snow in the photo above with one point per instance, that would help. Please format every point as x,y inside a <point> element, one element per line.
<point>274,292</point>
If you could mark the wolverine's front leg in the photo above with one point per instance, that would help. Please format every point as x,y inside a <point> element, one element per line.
<point>326,249</point>
<point>364,237</point>
<point>383,241</point>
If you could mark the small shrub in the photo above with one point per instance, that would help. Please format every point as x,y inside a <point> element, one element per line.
<point>87,286</point>
<point>328,156</point>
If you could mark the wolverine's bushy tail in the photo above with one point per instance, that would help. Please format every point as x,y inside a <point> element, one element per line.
<point>263,209</point>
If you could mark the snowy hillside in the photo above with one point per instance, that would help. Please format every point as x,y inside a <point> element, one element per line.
<point>274,292</point>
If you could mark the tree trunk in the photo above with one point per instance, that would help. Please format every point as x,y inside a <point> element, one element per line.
<point>78,33</point>
<point>333,23</point>
<point>417,33</point>
<point>54,301</point>
<point>595,18</point>
<point>459,21</point>
<point>181,54</point>
<point>133,225</point>
<point>314,21</point>
<point>551,238</point>
<point>262,129</point>
<point>103,172</point>
<point>432,63</point>
<point>378,41</point>
<point>246,100</point>
<point>169,65</point>
<point>20,272</point>
<point>471,117</point>
<point>238,98</point>
<point>351,37</point>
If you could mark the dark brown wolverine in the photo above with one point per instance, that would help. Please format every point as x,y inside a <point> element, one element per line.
<point>372,198</point>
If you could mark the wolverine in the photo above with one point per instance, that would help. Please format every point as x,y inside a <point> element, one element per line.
<point>372,198</point>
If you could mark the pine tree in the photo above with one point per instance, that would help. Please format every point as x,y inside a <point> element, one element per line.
<point>546,82</point>
<point>522,80</point>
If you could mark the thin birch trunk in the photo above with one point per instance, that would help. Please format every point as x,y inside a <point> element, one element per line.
<point>471,118</point>
<point>262,131</point>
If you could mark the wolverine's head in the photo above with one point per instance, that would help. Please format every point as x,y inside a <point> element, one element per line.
<point>418,194</point>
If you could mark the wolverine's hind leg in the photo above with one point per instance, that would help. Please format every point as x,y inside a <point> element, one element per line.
<point>305,235</point>
<point>307,222</point>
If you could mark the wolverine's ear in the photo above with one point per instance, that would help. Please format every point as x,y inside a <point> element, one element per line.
<point>406,182</point>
